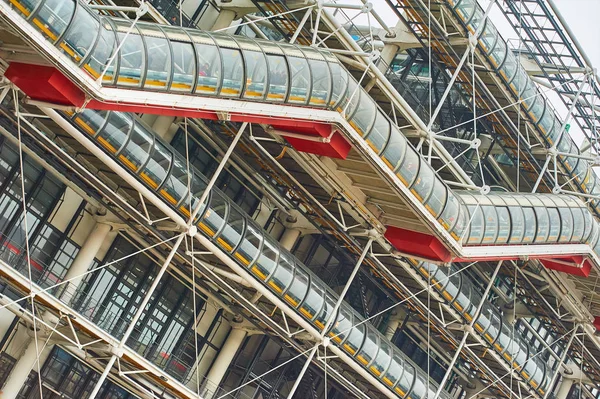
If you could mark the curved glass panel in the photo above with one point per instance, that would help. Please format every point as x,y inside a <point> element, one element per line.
<point>131,56</point>
<point>53,17</point>
<point>406,381</point>
<point>233,72</point>
<point>437,199</point>
<point>98,59</point>
<point>407,172</point>
<point>383,359</point>
<point>208,65</point>
<point>364,117</point>
<point>423,184</point>
<point>297,291</point>
<point>256,74</point>
<point>312,304</point>
<point>232,233</point>
<point>214,217</point>
<point>80,36</point>
<point>543,224</point>
<point>321,82</point>
<point>342,325</point>
<point>491,224</point>
<point>283,276</point>
<point>301,80</point>
<point>184,63</point>
<point>115,133</point>
<point>278,78</point>
<point>340,84</point>
<point>566,221</point>
<point>395,149</point>
<point>268,257</point>
<point>158,57</point>
<point>394,372</point>
<point>137,150</point>
<point>355,339</point>
<point>476,224</point>
<point>370,347</point>
<point>248,250</point>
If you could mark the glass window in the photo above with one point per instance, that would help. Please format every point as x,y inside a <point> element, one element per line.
<point>209,65</point>
<point>278,78</point>
<point>509,68</point>
<point>394,151</point>
<point>297,290</point>
<point>369,349</point>
<point>566,221</point>
<point>498,54</point>
<point>530,224</point>
<point>394,372</point>
<point>578,225</point>
<point>321,82</point>
<point>476,224</point>
<point>91,121</point>
<point>131,56</point>
<point>53,17</point>
<point>488,37</point>
<point>504,227</point>
<point>233,72</point>
<point>256,74</point>
<point>268,256</point>
<point>158,56</point>
<point>518,224</point>
<point>343,324</point>
<point>350,99</point>
<point>215,216</point>
<point>25,7</point>
<point>284,274</point>
<point>100,55</point>
<point>483,321</point>
<point>115,132</point>
<point>383,359</point>
<point>465,9</point>
<point>491,224</point>
<point>547,121</point>
<point>355,338</point>
<point>184,66</point>
<point>363,119</point>
<point>233,231</point>
<point>436,201</point>
<point>339,76</point>
<point>249,248</point>
<point>137,150</point>
<point>419,390</point>
<point>380,132</point>
<point>326,312</point>
<point>459,229</point>
<point>81,34</point>
<point>301,79</point>
<point>406,381</point>
<point>313,302</point>
<point>407,172</point>
<point>155,171</point>
<point>451,210</point>
<point>543,227</point>
<point>495,324</point>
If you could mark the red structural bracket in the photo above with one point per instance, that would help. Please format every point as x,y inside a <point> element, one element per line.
<point>47,84</point>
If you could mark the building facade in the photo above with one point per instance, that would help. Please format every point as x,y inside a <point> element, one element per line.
<point>265,199</point>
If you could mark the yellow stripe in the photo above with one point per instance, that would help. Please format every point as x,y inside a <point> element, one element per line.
<point>349,349</point>
<point>362,360</point>
<point>375,371</point>
<point>106,145</point>
<point>206,229</point>
<point>224,244</point>
<point>85,126</point>
<point>168,196</point>
<point>275,286</point>
<point>242,259</point>
<point>306,313</point>
<point>388,381</point>
<point>20,7</point>
<point>43,28</point>
<point>149,181</point>
<point>258,272</point>
<point>291,300</point>
<point>128,163</point>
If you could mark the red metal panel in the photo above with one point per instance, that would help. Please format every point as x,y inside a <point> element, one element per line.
<point>44,83</point>
<point>576,265</point>
<point>417,244</point>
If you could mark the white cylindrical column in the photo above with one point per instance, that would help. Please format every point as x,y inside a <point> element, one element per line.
<point>224,358</point>
<point>23,367</point>
<point>162,126</point>
<point>289,237</point>
<point>564,388</point>
<point>393,324</point>
<point>224,19</point>
<point>6,320</point>
<point>84,259</point>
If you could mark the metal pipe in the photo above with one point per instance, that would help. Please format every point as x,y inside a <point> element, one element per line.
<point>468,330</point>
<point>562,360</point>
<point>401,103</point>
<point>141,309</point>
<point>331,318</point>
